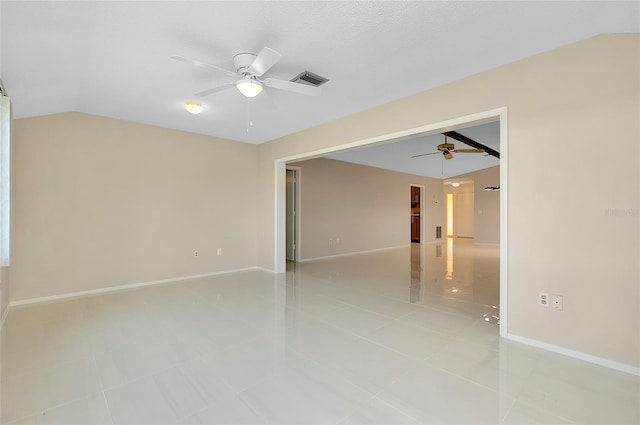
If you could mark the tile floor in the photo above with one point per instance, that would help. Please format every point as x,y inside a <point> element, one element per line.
<point>404,336</point>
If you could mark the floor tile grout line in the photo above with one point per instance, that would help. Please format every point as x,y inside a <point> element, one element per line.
<point>140,378</point>
<point>109,410</point>
<point>335,369</point>
<point>397,409</point>
<point>541,408</point>
<point>464,378</point>
<point>104,393</point>
<point>55,406</point>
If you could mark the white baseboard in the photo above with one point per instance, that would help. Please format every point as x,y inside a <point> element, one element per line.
<point>348,254</point>
<point>264,269</point>
<point>622,367</point>
<point>71,295</point>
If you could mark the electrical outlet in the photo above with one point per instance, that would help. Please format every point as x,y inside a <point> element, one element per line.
<point>219,251</point>
<point>556,301</point>
<point>543,299</point>
<point>195,253</point>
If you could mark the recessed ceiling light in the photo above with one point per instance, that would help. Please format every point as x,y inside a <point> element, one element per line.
<point>193,107</point>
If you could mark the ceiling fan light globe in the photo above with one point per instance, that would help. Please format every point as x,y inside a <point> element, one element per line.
<point>249,87</point>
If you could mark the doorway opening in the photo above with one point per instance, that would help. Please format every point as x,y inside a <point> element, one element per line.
<point>417,210</point>
<point>497,115</point>
<point>292,213</point>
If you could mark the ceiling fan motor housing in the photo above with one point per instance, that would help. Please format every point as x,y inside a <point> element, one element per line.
<point>446,147</point>
<point>242,62</point>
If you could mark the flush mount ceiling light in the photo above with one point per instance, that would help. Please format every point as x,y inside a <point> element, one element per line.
<point>249,87</point>
<point>193,107</point>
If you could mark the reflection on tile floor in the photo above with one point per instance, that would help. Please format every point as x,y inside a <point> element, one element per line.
<point>402,336</point>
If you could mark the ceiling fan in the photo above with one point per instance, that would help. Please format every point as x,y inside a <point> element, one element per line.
<point>447,150</point>
<point>249,69</point>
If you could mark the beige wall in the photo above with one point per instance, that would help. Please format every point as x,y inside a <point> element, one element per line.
<point>565,236</point>
<point>463,210</point>
<point>360,208</point>
<point>99,202</point>
<point>486,204</point>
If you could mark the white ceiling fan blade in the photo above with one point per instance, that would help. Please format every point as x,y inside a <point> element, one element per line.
<point>215,89</point>
<point>264,61</point>
<point>424,154</point>
<point>293,87</point>
<point>204,65</point>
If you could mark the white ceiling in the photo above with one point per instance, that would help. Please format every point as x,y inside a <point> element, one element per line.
<point>396,156</point>
<point>112,58</point>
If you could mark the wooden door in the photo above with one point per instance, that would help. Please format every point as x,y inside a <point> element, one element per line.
<point>416,214</point>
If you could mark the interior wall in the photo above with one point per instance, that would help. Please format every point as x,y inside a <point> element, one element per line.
<point>348,208</point>
<point>486,204</point>
<point>572,208</point>
<point>100,202</point>
<point>463,209</point>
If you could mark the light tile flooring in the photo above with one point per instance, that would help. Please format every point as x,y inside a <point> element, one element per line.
<point>403,336</point>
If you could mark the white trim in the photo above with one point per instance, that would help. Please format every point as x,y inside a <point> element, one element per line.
<point>280,217</point>
<point>504,222</point>
<point>622,367</point>
<point>71,295</point>
<point>369,251</point>
<point>298,205</point>
<point>477,118</point>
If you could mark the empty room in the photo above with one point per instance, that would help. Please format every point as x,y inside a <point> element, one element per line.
<point>314,212</point>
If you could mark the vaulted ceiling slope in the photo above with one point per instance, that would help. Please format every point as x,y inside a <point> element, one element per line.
<point>113,58</point>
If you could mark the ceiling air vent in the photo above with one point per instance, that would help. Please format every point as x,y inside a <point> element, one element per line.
<point>309,78</point>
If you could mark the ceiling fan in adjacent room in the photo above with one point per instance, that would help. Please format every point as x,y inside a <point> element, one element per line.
<point>448,149</point>
<point>249,71</point>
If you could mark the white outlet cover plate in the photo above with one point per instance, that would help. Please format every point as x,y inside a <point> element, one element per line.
<point>557,301</point>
